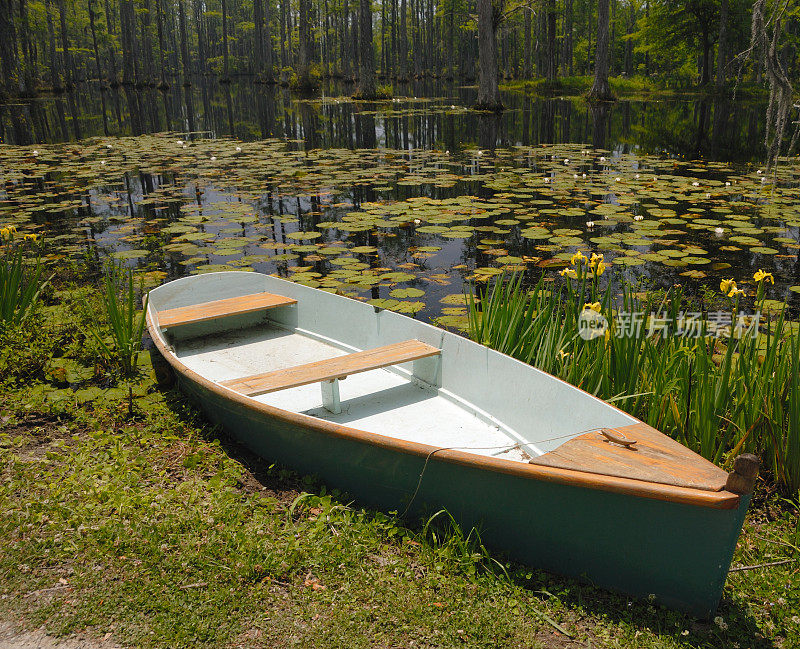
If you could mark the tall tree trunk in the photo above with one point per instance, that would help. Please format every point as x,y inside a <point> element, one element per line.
<point>488,90</point>
<point>722,46</point>
<point>568,44</point>
<point>128,33</point>
<point>185,64</point>
<point>94,42</point>
<point>112,53</point>
<point>161,45</point>
<point>284,58</point>
<point>600,88</point>
<point>403,62</point>
<point>8,47</point>
<point>705,73</point>
<point>225,63</point>
<point>304,78</point>
<point>29,74</point>
<point>258,35</point>
<point>527,71</point>
<point>268,55</point>
<point>55,66</point>
<point>366,71</point>
<point>552,53</point>
<point>67,57</point>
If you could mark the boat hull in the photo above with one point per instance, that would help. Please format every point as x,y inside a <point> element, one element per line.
<point>677,553</point>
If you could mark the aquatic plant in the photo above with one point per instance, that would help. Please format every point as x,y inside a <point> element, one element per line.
<point>21,283</point>
<point>126,325</point>
<point>723,390</point>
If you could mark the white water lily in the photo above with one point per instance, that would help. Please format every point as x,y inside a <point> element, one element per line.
<point>637,176</point>
<point>417,221</point>
<point>638,217</point>
<point>574,175</point>
<point>108,146</point>
<point>35,152</point>
<point>566,161</point>
<point>695,184</point>
<point>238,149</point>
<point>759,171</point>
<point>590,224</point>
<point>602,158</point>
<point>584,175</point>
<point>179,142</point>
<point>618,179</point>
<point>547,180</point>
<point>102,162</point>
<point>727,184</point>
<point>213,157</point>
<point>719,231</point>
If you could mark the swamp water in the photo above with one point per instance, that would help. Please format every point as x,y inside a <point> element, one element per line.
<point>401,202</point>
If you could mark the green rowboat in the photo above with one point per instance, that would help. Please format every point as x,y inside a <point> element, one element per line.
<point>408,417</point>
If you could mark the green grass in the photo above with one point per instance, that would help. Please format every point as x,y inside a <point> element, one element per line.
<point>162,532</point>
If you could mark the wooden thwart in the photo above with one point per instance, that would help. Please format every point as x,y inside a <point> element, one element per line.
<point>332,368</point>
<point>221,309</point>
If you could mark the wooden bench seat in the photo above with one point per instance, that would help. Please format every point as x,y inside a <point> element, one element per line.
<point>329,371</point>
<point>221,309</point>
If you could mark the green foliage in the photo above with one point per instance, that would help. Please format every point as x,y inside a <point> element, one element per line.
<point>20,284</point>
<point>719,396</point>
<point>125,322</point>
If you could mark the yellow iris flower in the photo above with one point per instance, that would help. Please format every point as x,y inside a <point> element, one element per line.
<point>727,285</point>
<point>568,272</point>
<point>761,276</point>
<point>594,306</point>
<point>578,258</point>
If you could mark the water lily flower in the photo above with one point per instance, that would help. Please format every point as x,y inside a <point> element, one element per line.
<point>480,152</point>
<point>590,224</point>
<point>727,183</point>
<point>566,161</point>
<point>593,306</point>
<point>35,152</point>
<point>568,272</point>
<point>618,179</point>
<point>574,175</point>
<point>695,184</point>
<point>727,285</point>
<point>102,162</point>
<point>578,258</point>
<point>417,221</point>
<point>238,149</point>
<point>602,158</point>
<point>547,180</point>
<point>179,143</point>
<point>638,217</point>
<point>108,146</point>
<point>213,157</point>
<point>584,175</point>
<point>637,176</point>
<point>761,276</point>
<point>719,231</point>
<point>759,171</point>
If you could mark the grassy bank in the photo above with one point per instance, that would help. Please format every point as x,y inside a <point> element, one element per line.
<point>628,87</point>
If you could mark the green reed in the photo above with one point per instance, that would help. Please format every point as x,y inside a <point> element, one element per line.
<point>21,283</point>
<point>125,322</point>
<point>718,392</point>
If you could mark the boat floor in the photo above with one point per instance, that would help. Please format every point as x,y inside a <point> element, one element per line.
<point>378,401</point>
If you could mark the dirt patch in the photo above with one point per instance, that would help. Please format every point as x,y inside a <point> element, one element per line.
<point>39,431</point>
<point>12,636</point>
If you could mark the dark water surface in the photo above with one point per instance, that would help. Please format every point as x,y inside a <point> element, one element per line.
<point>401,201</point>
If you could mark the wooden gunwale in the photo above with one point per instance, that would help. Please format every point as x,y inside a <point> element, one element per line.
<point>626,486</point>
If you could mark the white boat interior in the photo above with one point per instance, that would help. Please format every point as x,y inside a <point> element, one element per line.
<point>468,397</point>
